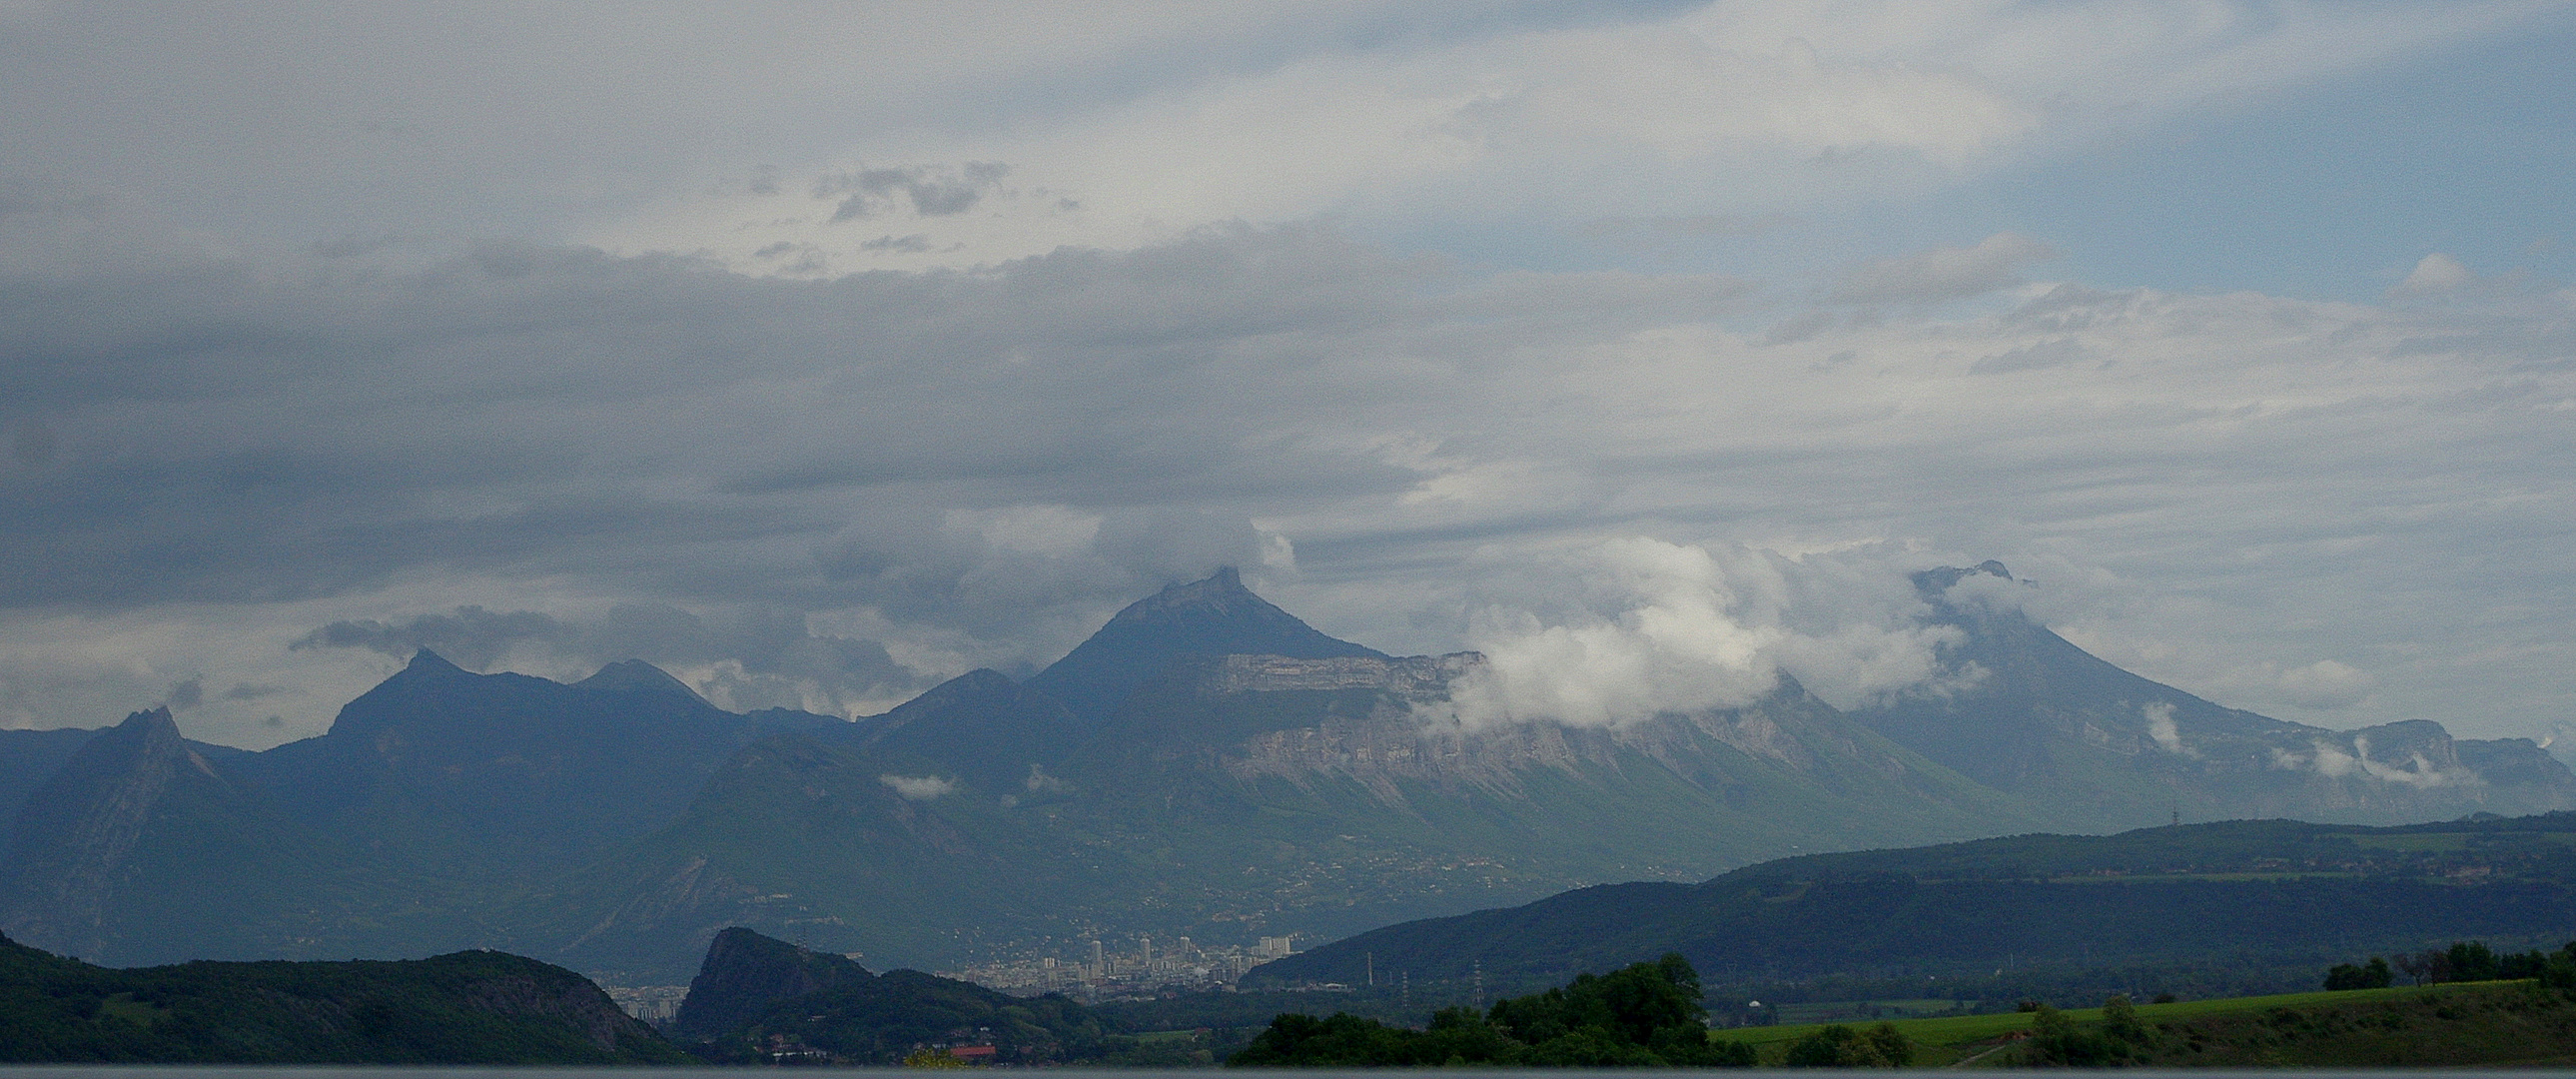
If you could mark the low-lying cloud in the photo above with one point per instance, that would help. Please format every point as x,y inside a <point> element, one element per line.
<point>1667,628</point>
<point>919,788</point>
<point>2335,762</point>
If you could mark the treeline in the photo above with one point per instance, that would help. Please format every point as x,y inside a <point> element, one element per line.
<point>1642,1015</point>
<point>2463,961</point>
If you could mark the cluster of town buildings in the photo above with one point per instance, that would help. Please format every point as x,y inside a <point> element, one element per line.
<point>655,1004</point>
<point>1095,975</point>
<point>1099,973</point>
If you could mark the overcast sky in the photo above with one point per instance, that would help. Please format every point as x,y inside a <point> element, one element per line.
<point>818,352</point>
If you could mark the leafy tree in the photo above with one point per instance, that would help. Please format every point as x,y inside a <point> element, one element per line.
<point>2120,1020</point>
<point>1839,1046</point>
<point>2372,975</point>
<point>2471,961</point>
<point>2426,967</point>
<point>1642,1015</point>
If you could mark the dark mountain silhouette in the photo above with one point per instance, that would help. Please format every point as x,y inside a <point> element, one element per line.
<point>28,759</point>
<point>501,770</point>
<point>139,842</point>
<point>1214,617</point>
<point>980,725</point>
<point>435,796</point>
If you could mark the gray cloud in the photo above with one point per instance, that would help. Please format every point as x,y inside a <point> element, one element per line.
<point>1944,274</point>
<point>743,658</point>
<point>831,491</point>
<point>472,636</point>
<point>185,696</point>
<point>2056,352</point>
<point>245,691</point>
<point>913,244</point>
<point>932,190</point>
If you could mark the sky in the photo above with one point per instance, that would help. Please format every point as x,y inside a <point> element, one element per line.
<point>820,352</point>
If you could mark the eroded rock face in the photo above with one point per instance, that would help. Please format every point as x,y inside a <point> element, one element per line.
<point>70,849</point>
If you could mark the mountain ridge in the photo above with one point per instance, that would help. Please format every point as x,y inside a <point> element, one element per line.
<point>619,822</point>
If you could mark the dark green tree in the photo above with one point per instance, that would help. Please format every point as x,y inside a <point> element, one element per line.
<point>1839,1046</point>
<point>1642,1015</point>
<point>2471,961</point>
<point>2057,1040</point>
<point>2372,975</point>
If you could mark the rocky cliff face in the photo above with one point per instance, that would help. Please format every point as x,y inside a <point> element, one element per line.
<point>744,973</point>
<point>71,848</point>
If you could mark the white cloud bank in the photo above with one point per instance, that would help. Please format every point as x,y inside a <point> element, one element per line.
<point>918,788</point>
<point>1672,628</point>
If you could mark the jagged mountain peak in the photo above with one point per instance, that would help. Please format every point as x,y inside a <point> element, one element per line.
<point>637,676</point>
<point>156,719</point>
<point>69,850</point>
<point>1212,617</point>
<point>426,662</point>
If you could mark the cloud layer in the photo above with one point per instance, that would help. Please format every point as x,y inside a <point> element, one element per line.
<point>821,355</point>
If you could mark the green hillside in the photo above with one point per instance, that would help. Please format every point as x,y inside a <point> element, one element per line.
<point>2476,1024</point>
<point>464,1008</point>
<point>2244,892</point>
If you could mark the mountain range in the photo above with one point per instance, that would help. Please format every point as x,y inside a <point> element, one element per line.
<point>1205,765</point>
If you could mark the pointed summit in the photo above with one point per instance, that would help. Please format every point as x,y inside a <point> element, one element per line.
<point>69,849</point>
<point>1214,617</point>
<point>425,661</point>
<point>637,676</point>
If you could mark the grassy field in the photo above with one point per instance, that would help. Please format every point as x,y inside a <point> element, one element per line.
<point>1950,1039</point>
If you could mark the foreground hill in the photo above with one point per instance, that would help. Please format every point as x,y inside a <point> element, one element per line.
<point>465,1008</point>
<point>1205,766</point>
<point>756,998</point>
<point>2252,891</point>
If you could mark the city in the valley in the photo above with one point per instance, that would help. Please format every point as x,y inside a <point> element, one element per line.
<point>1147,969</point>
